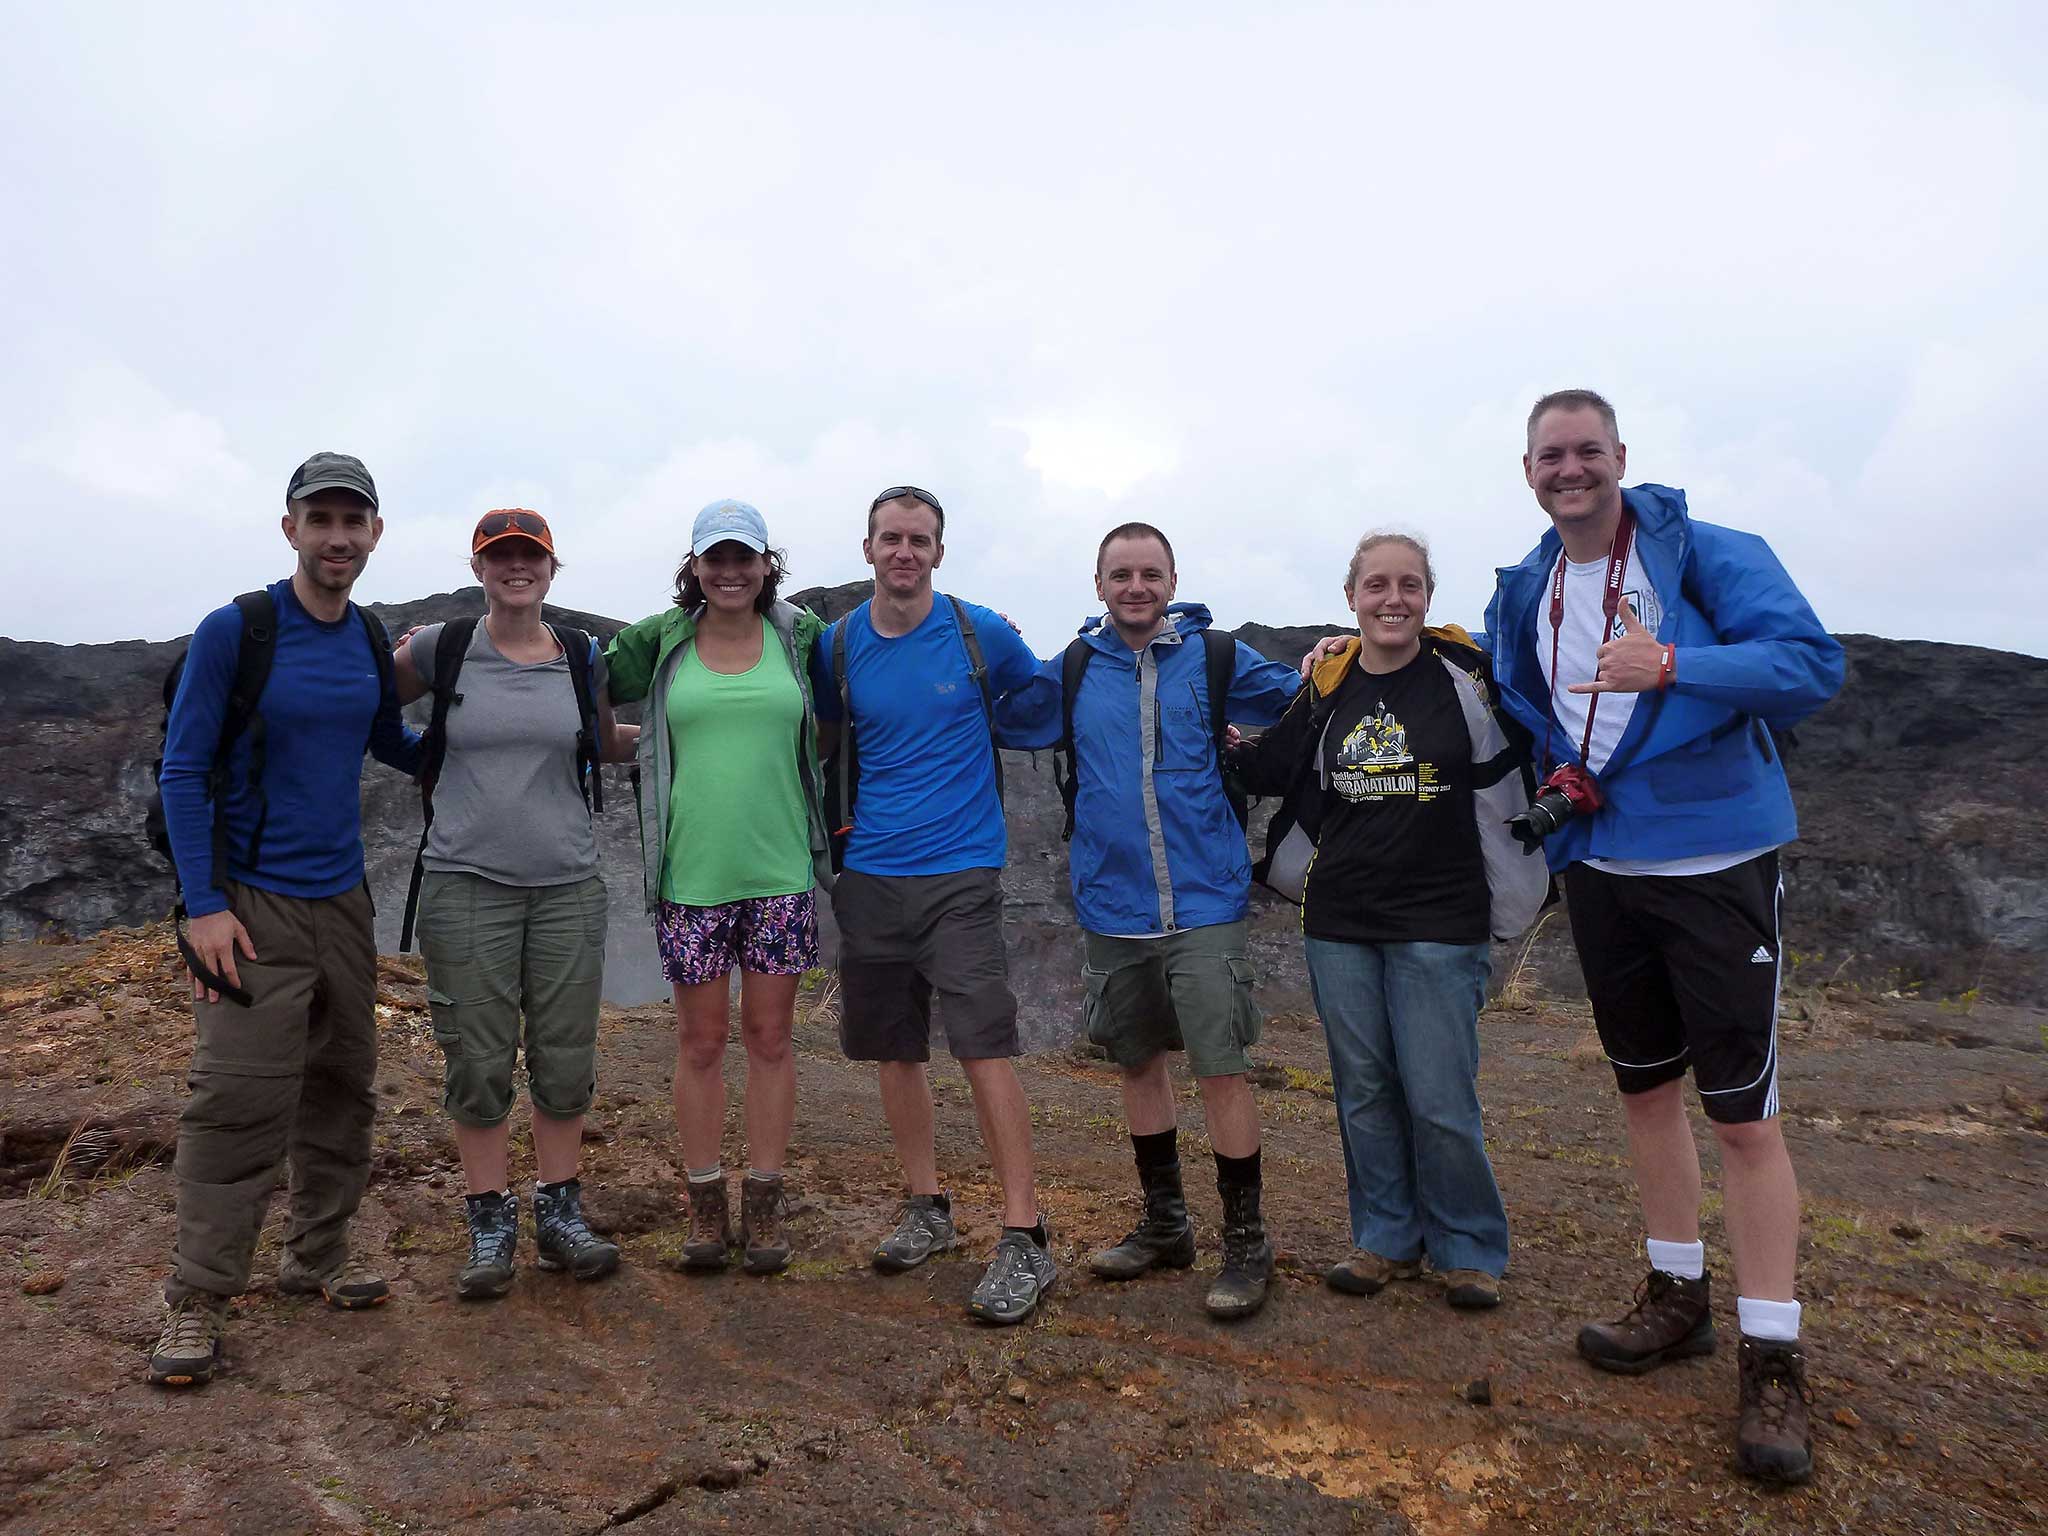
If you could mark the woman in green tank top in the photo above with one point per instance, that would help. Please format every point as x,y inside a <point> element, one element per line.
<point>735,855</point>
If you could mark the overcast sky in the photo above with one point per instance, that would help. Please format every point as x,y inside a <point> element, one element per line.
<point>1266,281</point>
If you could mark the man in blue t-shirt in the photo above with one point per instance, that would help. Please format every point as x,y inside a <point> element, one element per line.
<point>920,901</point>
<point>284,966</point>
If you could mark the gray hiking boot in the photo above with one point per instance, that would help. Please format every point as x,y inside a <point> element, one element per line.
<point>1016,1279</point>
<point>187,1352</point>
<point>493,1245</point>
<point>924,1227</point>
<point>563,1237</point>
<point>349,1286</point>
<point>1240,1290</point>
<point>1163,1240</point>
<point>764,1242</point>
<point>709,1245</point>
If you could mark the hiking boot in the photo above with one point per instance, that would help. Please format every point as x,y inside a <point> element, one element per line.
<point>1240,1290</point>
<point>764,1246</point>
<point>924,1227</point>
<point>1773,1440</point>
<point>1163,1240</point>
<point>1365,1273</point>
<point>1471,1290</point>
<point>708,1247</point>
<point>1015,1280</point>
<point>1669,1320</point>
<point>563,1238</point>
<point>493,1244</point>
<point>349,1286</point>
<point>187,1352</point>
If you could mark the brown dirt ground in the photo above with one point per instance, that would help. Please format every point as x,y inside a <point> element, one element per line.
<point>832,1398</point>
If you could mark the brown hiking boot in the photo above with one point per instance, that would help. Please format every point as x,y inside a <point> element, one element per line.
<point>1669,1320</point>
<point>1365,1273</point>
<point>1773,1439</point>
<point>1471,1290</point>
<point>706,1248</point>
<point>764,1206</point>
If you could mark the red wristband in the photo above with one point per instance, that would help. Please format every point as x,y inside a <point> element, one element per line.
<point>1667,670</point>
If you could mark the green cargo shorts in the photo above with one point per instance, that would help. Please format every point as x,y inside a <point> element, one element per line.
<point>494,953</point>
<point>1190,991</point>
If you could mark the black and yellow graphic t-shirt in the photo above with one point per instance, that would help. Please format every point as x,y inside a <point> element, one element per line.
<point>1398,860</point>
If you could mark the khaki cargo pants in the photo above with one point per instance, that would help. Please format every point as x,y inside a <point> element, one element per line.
<point>290,1077</point>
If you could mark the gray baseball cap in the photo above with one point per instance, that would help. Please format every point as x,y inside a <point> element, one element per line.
<point>332,472</point>
<point>729,519</point>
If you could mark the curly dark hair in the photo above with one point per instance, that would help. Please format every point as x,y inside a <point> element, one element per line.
<point>689,592</point>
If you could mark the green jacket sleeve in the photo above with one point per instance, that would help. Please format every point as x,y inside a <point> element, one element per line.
<point>629,660</point>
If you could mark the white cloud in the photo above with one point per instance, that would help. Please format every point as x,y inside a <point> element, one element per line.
<point>1264,279</point>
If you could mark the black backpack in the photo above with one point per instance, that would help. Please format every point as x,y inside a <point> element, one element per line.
<point>842,772</point>
<point>1220,652</point>
<point>450,647</point>
<point>253,655</point>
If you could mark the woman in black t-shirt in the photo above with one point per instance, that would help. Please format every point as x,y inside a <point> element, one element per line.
<point>1377,758</point>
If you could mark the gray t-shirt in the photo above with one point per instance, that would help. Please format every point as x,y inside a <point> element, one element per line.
<point>508,805</point>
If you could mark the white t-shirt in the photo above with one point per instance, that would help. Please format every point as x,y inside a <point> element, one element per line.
<point>1579,639</point>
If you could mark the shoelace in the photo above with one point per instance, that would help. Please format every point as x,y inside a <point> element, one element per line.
<point>191,1326</point>
<point>1778,1382</point>
<point>1650,1290</point>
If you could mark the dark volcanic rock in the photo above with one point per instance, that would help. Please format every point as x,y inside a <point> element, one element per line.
<point>1924,856</point>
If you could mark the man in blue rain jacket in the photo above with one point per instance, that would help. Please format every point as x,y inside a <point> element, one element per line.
<point>1652,657</point>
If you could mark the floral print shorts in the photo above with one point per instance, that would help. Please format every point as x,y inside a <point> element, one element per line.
<point>768,935</point>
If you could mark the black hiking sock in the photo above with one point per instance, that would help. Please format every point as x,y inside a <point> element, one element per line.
<point>1238,1172</point>
<point>1157,1149</point>
<point>1035,1233</point>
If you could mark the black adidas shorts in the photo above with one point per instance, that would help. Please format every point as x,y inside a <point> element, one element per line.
<point>1683,972</point>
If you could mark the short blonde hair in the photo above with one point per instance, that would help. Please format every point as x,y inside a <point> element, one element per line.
<point>1381,536</point>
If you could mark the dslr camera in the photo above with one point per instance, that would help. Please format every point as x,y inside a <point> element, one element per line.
<point>1569,791</point>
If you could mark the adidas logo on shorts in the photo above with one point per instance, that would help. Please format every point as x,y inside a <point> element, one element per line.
<point>1761,957</point>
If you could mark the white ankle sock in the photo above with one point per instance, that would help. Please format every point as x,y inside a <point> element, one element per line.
<point>765,1176</point>
<point>709,1175</point>
<point>1688,1261</point>
<point>1777,1320</point>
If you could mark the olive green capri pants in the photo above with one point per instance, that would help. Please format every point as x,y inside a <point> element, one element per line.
<point>496,953</point>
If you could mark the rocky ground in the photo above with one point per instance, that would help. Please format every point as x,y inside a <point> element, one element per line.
<point>832,1398</point>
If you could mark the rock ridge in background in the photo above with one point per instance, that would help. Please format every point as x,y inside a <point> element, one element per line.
<point>1923,858</point>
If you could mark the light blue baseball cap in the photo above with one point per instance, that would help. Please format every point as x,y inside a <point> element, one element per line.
<point>729,519</point>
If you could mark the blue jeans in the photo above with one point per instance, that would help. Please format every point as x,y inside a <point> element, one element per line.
<point>1402,1021</point>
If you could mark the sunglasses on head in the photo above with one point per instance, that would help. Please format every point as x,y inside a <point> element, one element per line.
<point>492,524</point>
<point>911,491</point>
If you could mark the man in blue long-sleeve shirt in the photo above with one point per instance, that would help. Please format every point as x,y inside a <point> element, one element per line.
<point>282,1066</point>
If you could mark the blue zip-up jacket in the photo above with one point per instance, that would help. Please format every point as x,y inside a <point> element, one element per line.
<point>321,707</point>
<point>1156,846</point>
<point>1696,772</point>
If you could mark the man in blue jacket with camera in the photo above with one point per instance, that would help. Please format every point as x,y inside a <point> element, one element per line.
<point>1162,880</point>
<point>1652,656</point>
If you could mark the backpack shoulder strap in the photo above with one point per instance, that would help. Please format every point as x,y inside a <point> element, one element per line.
<point>450,647</point>
<point>252,663</point>
<point>576,648</point>
<point>844,753</point>
<point>380,642</point>
<point>1221,652</point>
<point>978,667</point>
<point>253,656</point>
<point>1073,666</point>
